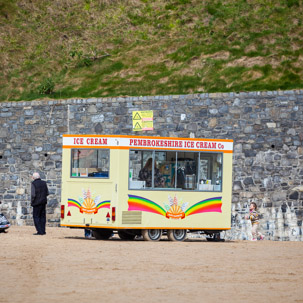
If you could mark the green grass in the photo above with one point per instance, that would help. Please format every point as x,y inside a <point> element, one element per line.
<point>147,47</point>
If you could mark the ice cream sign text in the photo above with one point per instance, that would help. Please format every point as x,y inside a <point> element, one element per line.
<point>175,143</point>
<point>126,142</point>
<point>90,141</point>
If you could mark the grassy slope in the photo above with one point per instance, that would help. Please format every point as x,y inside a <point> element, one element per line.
<point>84,48</point>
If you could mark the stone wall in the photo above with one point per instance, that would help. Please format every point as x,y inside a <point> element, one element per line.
<point>267,129</point>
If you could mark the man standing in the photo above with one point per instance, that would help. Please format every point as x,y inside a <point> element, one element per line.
<point>39,193</point>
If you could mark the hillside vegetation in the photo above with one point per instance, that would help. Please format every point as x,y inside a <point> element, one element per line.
<point>87,48</point>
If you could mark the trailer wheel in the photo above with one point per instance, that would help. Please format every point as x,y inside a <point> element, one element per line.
<point>102,234</point>
<point>176,234</point>
<point>126,235</point>
<point>152,234</point>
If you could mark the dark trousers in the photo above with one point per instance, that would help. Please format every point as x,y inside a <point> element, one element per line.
<point>39,215</point>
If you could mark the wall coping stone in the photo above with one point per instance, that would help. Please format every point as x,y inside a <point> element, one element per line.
<point>149,98</point>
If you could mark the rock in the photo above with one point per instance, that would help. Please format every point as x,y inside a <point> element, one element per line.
<point>20,191</point>
<point>212,123</point>
<point>294,195</point>
<point>98,128</point>
<point>237,185</point>
<point>271,125</point>
<point>248,181</point>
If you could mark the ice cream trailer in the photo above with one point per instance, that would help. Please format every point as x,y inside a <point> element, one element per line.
<point>146,186</point>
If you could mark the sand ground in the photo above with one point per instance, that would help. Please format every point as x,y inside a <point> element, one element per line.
<point>63,266</point>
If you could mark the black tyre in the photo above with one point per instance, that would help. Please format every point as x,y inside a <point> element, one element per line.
<point>102,234</point>
<point>176,234</point>
<point>126,235</point>
<point>152,234</point>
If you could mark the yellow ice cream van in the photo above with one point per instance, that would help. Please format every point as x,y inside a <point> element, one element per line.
<point>147,186</point>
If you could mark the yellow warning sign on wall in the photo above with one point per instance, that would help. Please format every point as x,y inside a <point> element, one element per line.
<point>143,120</point>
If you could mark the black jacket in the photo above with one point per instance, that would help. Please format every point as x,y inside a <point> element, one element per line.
<point>39,192</point>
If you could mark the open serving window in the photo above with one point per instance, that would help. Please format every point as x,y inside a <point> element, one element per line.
<point>175,170</point>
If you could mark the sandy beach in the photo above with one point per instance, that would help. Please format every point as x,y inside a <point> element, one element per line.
<point>63,266</point>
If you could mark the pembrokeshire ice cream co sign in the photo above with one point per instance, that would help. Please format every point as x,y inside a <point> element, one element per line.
<point>143,120</point>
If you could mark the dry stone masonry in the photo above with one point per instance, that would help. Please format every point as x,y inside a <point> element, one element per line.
<point>267,129</point>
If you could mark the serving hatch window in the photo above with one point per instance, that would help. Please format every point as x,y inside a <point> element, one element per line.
<point>90,163</point>
<point>175,170</point>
